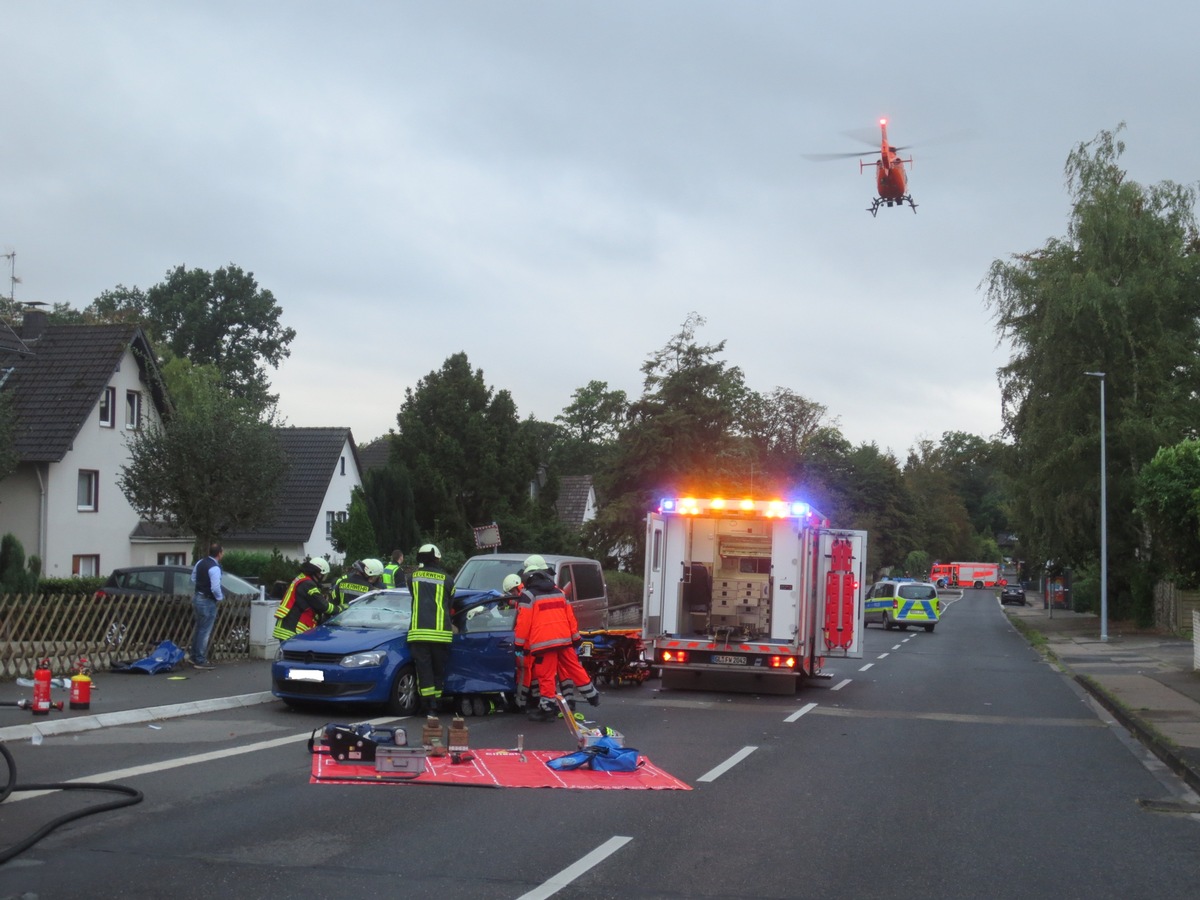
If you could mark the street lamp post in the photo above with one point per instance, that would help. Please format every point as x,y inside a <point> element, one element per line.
<point>1103,517</point>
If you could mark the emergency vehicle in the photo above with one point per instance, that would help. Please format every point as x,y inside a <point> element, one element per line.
<point>749,595</point>
<point>966,574</point>
<point>902,603</point>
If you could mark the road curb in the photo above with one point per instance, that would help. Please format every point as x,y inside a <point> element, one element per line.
<point>1161,748</point>
<point>77,724</point>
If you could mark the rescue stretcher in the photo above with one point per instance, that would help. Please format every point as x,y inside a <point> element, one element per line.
<point>614,658</point>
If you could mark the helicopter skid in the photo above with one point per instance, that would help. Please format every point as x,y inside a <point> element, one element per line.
<point>873,209</point>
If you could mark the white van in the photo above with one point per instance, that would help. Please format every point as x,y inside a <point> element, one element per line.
<point>581,579</point>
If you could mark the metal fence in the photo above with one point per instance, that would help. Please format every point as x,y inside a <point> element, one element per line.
<point>108,630</point>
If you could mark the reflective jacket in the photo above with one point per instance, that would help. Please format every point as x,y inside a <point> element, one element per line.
<point>547,621</point>
<point>390,571</point>
<point>301,608</point>
<point>349,587</point>
<point>432,596</point>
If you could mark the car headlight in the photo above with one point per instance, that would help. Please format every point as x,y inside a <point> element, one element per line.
<point>359,660</point>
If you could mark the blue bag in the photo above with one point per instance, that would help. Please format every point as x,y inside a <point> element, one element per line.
<point>606,755</point>
<point>165,657</point>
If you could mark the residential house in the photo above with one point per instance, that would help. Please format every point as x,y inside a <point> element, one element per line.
<point>322,470</point>
<point>576,500</point>
<point>79,392</point>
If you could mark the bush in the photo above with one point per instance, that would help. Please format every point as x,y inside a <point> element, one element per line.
<point>71,586</point>
<point>624,588</point>
<point>15,577</point>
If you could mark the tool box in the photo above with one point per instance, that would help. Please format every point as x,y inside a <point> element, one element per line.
<point>384,750</point>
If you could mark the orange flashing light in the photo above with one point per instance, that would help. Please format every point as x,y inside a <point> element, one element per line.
<point>767,509</point>
<point>674,656</point>
<point>782,662</point>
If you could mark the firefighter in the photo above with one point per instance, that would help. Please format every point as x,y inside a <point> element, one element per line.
<point>391,572</point>
<point>365,575</point>
<point>512,588</point>
<point>547,632</point>
<point>429,634</point>
<point>304,603</point>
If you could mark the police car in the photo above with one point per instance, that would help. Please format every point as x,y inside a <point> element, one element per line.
<point>898,604</point>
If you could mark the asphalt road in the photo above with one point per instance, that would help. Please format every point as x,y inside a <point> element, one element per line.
<point>952,764</point>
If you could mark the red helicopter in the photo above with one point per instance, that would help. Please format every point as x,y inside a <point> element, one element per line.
<point>891,180</point>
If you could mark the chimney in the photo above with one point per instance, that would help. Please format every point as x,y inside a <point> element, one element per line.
<point>33,324</point>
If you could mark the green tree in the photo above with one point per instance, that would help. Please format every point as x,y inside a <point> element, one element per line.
<point>388,495</point>
<point>220,318</point>
<point>1118,295</point>
<point>461,444</point>
<point>17,578</point>
<point>355,537</point>
<point>1168,496</point>
<point>213,466</point>
<point>589,427</point>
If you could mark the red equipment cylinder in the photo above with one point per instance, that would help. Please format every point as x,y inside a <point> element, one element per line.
<point>81,687</point>
<point>41,688</point>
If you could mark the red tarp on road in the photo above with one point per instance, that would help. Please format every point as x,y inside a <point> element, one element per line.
<point>497,768</point>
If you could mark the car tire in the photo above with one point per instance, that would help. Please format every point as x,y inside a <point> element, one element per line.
<point>887,622</point>
<point>929,627</point>
<point>403,698</point>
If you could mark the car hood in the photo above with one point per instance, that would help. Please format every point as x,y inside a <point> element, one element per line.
<point>326,639</point>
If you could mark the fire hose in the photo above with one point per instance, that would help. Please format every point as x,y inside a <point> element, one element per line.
<point>132,796</point>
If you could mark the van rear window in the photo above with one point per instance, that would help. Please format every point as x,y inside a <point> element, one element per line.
<point>589,581</point>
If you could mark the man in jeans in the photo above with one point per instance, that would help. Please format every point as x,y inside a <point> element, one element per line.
<point>206,576</point>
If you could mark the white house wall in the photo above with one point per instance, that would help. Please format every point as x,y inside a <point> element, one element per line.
<point>337,500</point>
<point>105,532</point>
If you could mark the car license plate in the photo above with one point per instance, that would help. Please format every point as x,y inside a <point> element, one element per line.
<point>729,660</point>
<point>305,675</point>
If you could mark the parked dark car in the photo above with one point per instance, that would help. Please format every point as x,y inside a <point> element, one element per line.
<point>361,656</point>
<point>581,579</point>
<point>169,581</point>
<point>1013,594</point>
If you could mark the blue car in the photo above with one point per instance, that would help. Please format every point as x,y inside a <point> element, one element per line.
<point>361,656</point>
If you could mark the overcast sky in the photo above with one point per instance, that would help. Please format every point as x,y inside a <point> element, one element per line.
<point>552,187</point>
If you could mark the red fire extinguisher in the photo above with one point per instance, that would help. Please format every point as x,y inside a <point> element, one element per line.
<point>41,688</point>
<point>81,686</point>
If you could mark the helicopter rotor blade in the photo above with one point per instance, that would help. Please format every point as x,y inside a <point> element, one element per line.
<point>825,157</point>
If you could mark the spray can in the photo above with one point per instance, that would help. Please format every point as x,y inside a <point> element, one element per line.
<point>41,688</point>
<point>81,687</point>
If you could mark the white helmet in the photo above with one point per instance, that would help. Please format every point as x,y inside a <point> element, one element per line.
<point>372,568</point>
<point>535,563</point>
<point>430,548</point>
<point>510,583</point>
<point>320,563</point>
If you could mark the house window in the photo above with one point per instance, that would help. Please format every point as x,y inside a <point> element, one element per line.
<point>172,559</point>
<point>86,565</point>
<point>133,409</point>
<point>330,518</point>
<point>89,485</point>
<point>108,407</point>
<point>342,463</point>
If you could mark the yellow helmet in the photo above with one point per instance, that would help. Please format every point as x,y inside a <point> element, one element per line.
<point>430,548</point>
<point>372,568</point>
<point>511,582</point>
<point>535,563</point>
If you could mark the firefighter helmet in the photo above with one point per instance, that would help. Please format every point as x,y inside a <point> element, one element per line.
<point>319,564</point>
<point>372,568</point>
<point>511,582</point>
<point>430,548</point>
<point>535,563</point>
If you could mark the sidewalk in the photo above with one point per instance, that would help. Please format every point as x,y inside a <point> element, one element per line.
<point>1146,680</point>
<point>124,699</point>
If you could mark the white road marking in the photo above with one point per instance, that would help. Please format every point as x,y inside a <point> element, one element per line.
<point>556,883</point>
<point>798,713</point>
<point>867,666</point>
<point>897,647</point>
<point>167,764</point>
<point>882,656</point>
<point>841,684</point>
<point>724,767</point>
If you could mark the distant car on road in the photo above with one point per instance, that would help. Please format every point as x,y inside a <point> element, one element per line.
<point>167,581</point>
<point>898,604</point>
<point>1013,593</point>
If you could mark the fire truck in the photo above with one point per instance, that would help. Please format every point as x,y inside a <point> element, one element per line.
<point>749,595</point>
<point>966,574</point>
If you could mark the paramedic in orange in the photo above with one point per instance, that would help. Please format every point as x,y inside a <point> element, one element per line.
<point>547,632</point>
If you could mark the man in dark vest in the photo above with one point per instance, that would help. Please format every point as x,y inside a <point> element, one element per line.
<point>206,576</point>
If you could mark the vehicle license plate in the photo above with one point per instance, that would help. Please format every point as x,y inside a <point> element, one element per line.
<point>729,660</point>
<point>305,675</point>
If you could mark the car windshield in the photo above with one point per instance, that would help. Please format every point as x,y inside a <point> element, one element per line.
<point>485,574</point>
<point>917,591</point>
<point>378,609</point>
